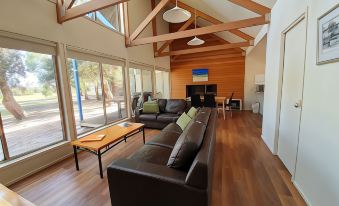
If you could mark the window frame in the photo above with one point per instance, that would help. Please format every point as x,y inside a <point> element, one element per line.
<point>120,30</point>
<point>100,58</point>
<point>9,40</point>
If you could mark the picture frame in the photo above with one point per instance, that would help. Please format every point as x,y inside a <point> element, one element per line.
<point>328,37</point>
<point>200,75</point>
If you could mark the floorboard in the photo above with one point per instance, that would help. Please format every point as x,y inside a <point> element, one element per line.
<point>245,172</point>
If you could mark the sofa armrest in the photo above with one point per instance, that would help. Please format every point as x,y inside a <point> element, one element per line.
<point>140,183</point>
<point>137,113</point>
<point>149,170</point>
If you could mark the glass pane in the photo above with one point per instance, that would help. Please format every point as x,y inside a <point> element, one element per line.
<point>147,81</point>
<point>166,85</point>
<point>159,84</point>
<point>162,84</point>
<point>29,101</point>
<point>86,94</point>
<point>2,157</point>
<point>114,92</point>
<point>78,2</point>
<point>109,17</point>
<point>135,88</point>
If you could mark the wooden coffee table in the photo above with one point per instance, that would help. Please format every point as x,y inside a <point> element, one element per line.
<point>114,135</point>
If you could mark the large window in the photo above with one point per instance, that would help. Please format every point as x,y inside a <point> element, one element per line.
<point>147,82</point>
<point>98,91</point>
<point>111,17</point>
<point>29,98</point>
<point>114,91</point>
<point>162,84</point>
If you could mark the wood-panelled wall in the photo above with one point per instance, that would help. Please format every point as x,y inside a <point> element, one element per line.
<point>226,68</point>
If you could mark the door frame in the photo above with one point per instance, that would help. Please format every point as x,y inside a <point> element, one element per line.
<point>304,16</point>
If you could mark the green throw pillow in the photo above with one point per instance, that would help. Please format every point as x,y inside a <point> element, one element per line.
<point>183,121</point>
<point>150,108</point>
<point>192,112</point>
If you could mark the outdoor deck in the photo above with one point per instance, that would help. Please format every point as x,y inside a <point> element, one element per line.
<point>42,125</point>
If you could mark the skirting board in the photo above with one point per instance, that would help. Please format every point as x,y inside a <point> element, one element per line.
<point>301,193</point>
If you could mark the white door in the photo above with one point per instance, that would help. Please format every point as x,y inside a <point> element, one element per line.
<point>292,92</point>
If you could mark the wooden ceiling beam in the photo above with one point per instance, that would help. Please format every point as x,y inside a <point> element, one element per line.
<point>68,3</point>
<point>204,30</point>
<point>252,6</point>
<point>126,23</point>
<point>148,19</point>
<point>213,20</point>
<point>83,9</point>
<point>182,28</point>
<point>223,56</point>
<point>207,49</point>
<point>154,28</point>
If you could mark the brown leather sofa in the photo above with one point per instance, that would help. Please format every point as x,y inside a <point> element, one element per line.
<point>146,178</point>
<point>169,111</point>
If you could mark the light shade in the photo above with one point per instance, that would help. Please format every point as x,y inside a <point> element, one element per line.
<point>196,41</point>
<point>176,15</point>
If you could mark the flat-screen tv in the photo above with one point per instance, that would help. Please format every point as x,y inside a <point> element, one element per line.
<point>200,75</point>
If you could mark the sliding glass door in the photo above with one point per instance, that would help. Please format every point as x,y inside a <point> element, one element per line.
<point>162,83</point>
<point>98,91</point>
<point>86,94</point>
<point>114,92</point>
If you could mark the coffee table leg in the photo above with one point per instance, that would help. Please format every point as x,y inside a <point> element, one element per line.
<point>100,165</point>
<point>76,157</point>
<point>143,134</point>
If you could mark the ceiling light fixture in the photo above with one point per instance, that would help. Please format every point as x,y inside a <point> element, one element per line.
<point>195,41</point>
<point>176,15</point>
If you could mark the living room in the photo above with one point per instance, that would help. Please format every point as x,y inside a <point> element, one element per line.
<point>165,102</point>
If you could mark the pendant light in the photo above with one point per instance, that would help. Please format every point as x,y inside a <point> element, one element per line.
<point>176,15</point>
<point>195,41</point>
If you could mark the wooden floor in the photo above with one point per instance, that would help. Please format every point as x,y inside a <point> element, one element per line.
<point>245,172</point>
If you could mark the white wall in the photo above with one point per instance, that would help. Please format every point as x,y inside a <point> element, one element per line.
<point>254,64</point>
<point>37,18</point>
<point>318,155</point>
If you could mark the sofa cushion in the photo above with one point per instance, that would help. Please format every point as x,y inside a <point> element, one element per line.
<point>150,108</point>
<point>173,127</point>
<point>162,105</point>
<point>183,121</point>
<point>175,106</point>
<point>187,146</point>
<point>152,154</point>
<point>148,117</point>
<point>167,117</point>
<point>192,112</point>
<point>165,139</point>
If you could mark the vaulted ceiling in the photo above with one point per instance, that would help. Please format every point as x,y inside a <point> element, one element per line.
<point>227,11</point>
<point>235,22</point>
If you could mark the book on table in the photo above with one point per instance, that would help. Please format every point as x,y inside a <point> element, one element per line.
<point>93,139</point>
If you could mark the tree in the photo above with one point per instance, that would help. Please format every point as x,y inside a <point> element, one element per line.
<point>42,65</point>
<point>11,68</point>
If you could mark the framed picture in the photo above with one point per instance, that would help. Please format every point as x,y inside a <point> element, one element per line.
<point>200,75</point>
<point>328,37</point>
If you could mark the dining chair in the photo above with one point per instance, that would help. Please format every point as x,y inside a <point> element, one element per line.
<point>196,101</point>
<point>209,100</point>
<point>229,104</point>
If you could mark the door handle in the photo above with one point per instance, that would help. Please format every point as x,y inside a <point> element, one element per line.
<point>298,104</point>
